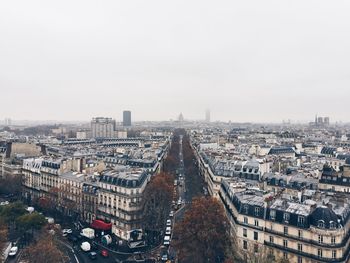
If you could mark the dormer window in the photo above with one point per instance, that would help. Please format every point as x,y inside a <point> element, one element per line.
<point>273,214</point>
<point>332,225</point>
<point>257,211</point>
<point>245,209</point>
<point>301,220</point>
<point>320,224</point>
<point>286,217</point>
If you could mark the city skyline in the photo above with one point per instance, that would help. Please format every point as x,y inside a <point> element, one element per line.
<point>256,62</point>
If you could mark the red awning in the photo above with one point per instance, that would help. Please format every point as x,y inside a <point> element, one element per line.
<point>100,225</point>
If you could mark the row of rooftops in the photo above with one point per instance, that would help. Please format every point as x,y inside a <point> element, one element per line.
<point>319,209</point>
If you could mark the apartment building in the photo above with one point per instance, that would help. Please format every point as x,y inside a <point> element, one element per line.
<point>120,199</point>
<point>278,225</point>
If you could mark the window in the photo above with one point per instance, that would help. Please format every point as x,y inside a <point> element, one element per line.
<point>244,232</point>
<point>320,224</point>
<point>256,222</point>
<point>245,244</point>
<point>285,255</point>
<point>257,211</point>
<point>332,225</point>
<point>301,220</point>
<point>286,217</point>
<point>256,235</point>
<point>256,248</point>
<point>300,260</point>
<point>300,233</point>
<point>334,254</point>
<point>285,230</point>
<point>319,253</point>
<point>271,239</point>
<point>300,247</point>
<point>245,220</point>
<point>245,209</point>
<point>273,214</point>
<point>333,240</point>
<point>320,239</point>
<point>285,243</point>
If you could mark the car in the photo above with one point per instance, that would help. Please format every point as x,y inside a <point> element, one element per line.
<point>13,251</point>
<point>164,257</point>
<point>168,222</point>
<point>93,255</point>
<point>171,214</point>
<point>67,231</point>
<point>166,241</point>
<point>104,253</point>
<point>168,230</point>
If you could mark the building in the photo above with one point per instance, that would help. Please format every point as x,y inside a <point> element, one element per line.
<point>103,127</point>
<point>120,200</point>
<point>7,122</point>
<point>207,115</point>
<point>126,118</point>
<point>338,181</point>
<point>277,226</point>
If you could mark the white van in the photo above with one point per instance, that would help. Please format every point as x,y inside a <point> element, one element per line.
<point>166,241</point>
<point>168,231</point>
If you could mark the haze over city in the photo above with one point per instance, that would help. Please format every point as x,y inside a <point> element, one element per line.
<point>261,61</point>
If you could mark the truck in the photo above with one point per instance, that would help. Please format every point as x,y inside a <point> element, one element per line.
<point>106,240</point>
<point>85,246</point>
<point>88,233</point>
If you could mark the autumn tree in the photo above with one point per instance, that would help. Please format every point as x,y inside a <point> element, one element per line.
<point>31,221</point>
<point>194,181</point>
<point>45,250</point>
<point>63,200</point>
<point>3,235</point>
<point>12,211</point>
<point>203,235</point>
<point>156,204</point>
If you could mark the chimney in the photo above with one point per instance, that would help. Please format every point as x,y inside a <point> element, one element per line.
<point>43,149</point>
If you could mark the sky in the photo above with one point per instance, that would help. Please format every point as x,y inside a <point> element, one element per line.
<point>253,60</point>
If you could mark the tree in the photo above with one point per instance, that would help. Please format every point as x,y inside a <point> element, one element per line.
<point>63,200</point>
<point>44,250</point>
<point>203,235</point>
<point>3,236</point>
<point>12,211</point>
<point>156,203</point>
<point>31,221</point>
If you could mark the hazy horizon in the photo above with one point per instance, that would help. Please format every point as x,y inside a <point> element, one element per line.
<point>247,61</point>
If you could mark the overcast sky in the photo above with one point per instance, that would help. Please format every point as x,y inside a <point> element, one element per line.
<point>244,60</point>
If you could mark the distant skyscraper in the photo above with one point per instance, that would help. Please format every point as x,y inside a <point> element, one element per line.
<point>103,127</point>
<point>126,118</point>
<point>326,120</point>
<point>207,115</point>
<point>181,118</point>
<point>8,122</point>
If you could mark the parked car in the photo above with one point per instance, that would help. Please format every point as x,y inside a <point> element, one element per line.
<point>13,251</point>
<point>93,255</point>
<point>104,253</point>
<point>171,214</point>
<point>67,231</point>
<point>168,231</point>
<point>168,222</point>
<point>166,241</point>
